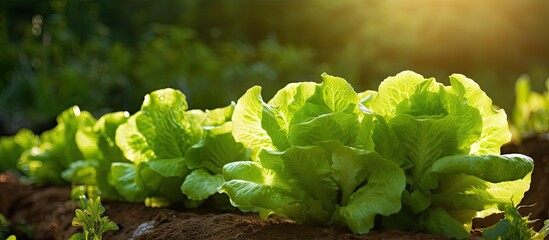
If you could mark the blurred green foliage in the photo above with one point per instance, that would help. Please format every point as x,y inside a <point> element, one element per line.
<point>11,147</point>
<point>531,111</point>
<point>106,55</point>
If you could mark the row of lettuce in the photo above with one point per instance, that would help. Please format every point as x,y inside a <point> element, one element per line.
<point>416,154</point>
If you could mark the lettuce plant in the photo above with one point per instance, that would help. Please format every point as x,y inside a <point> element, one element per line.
<point>447,139</point>
<point>99,150</point>
<point>11,148</point>
<point>57,148</point>
<point>305,164</point>
<point>176,154</point>
<point>323,153</point>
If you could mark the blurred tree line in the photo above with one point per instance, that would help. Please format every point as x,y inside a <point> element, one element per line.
<point>106,55</point>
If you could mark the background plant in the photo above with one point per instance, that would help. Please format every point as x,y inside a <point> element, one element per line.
<point>60,53</point>
<point>531,112</point>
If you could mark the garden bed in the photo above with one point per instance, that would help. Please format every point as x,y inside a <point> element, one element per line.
<point>50,211</point>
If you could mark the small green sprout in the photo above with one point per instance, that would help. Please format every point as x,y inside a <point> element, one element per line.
<point>515,226</point>
<point>90,219</point>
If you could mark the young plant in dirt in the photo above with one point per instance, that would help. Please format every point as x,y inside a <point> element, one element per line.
<point>94,225</point>
<point>176,154</point>
<point>514,226</point>
<point>307,165</point>
<point>447,139</point>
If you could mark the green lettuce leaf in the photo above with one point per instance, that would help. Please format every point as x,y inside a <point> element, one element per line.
<point>160,130</point>
<point>381,195</point>
<point>206,158</point>
<point>215,149</point>
<point>495,129</point>
<point>438,221</point>
<point>200,184</point>
<point>122,178</point>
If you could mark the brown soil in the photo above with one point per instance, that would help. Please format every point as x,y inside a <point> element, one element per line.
<point>537,147</point>
<point>50,211</point>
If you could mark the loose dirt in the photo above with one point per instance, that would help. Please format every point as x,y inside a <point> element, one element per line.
<point>537,147</point>
<point>50,211</point>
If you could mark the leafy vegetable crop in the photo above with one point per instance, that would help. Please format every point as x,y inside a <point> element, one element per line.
<point>413,155</point>
<point>447,139</point>
<point>56,149</point>
<point>175,152</point>
<point>99,152</point>
<point>160,155</point>
<point>318,158</point>
<point>305,165</point>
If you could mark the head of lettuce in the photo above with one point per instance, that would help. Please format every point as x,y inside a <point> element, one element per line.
<point>423,155</point>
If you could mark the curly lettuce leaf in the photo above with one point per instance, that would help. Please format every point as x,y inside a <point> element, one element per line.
<point>292,115</point>
<point>381,195</point>
<point>160,130</point>
<point>337,125</point>
<point>481,129</point>
<point>492,168</point>
<point>484,184</point>
<point>206,158</point>
<point>495,129</point>
<point>215,149</point>
<point>248,119</point>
